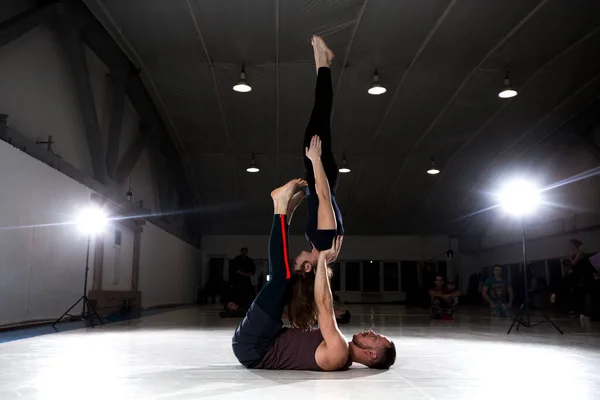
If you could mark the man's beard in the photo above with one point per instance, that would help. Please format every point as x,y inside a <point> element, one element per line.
<point>357,344</point>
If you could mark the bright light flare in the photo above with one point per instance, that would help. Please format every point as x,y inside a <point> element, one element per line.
<point>519,197</point>
<point>91,220</point>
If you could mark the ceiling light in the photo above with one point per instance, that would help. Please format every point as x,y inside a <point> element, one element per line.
<point>242,86</point>
<point>376,88</point>
<point>508,91</point>
<point>253,168</point>
<point>433,170</point>
<point>344,168</point>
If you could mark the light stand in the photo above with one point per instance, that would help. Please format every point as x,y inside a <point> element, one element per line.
<point>523,316</point>
<point>84,299</point>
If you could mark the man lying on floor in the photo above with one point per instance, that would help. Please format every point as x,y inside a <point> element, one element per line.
<point>261,342</point>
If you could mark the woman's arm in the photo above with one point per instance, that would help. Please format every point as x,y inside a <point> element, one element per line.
<point>326,217</point>
<point>576,258</point>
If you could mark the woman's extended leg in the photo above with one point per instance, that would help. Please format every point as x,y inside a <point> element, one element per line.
<point>319,125</point>
<point>262,322</point>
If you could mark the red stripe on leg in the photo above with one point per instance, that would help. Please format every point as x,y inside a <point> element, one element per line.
<point>285,252</point>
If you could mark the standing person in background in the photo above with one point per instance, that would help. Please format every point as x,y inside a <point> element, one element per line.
<point>244,265</point>
<point>242,291</point>
<point>498,293</point>
<point>583,278</point>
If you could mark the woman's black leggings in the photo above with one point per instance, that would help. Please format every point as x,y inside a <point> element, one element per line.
<point>319,124</point>
<point>271,298</point>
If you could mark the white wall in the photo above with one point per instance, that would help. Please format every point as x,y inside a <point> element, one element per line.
<point>170,269</point>
<point>42,258</point>
<point>37,92</point>
<point>42,267</point>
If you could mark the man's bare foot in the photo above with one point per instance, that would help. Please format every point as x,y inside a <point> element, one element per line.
<point>323,54</point>
<point>287,191</point>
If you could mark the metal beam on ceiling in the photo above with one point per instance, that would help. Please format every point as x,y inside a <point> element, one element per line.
<point>388,110</point>
<point>119,82</point>
<point>104,46</point>
<point>74,50</point>
<point>132,154</point>
<point>15,27</point>
<point>158,165</point>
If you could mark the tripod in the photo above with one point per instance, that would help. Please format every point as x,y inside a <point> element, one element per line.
<point>91,312</point>
<point>523,317</point>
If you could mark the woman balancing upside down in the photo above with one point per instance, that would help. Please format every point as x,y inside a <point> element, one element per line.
<point>324,219</point>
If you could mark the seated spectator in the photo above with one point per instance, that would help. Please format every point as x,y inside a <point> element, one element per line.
<point>443,300</point>
<point>498,293</point>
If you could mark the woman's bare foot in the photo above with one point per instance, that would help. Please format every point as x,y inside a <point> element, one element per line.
<point>294,203</point>
<point>287,191</point>
<point>323,54</point>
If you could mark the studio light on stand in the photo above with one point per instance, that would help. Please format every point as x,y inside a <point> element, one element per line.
<point>520,199</point>
<point>90,222</point>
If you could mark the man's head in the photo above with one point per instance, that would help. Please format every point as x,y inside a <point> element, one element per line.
<point>244,251</point>
<point>373,350</point>
<point>439,281</point>
<point>305,261</point>
<point>497,271</point>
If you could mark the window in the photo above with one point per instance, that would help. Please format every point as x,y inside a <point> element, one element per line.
<point>390,277</point>
<point>352,276</point>
<point>117,238</point>
<point>409,276</point>
<point>336,281</point>
<point>409,281</point>
<point>555,271</point>
<point>370,276</point>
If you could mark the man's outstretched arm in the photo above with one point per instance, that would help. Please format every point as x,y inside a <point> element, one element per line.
<point>335,352</point>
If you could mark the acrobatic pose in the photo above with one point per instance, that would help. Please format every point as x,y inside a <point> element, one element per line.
<point>261,342</point>
<point>324,219</point>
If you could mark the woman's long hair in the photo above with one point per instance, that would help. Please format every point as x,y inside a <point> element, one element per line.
<point>302,309</point>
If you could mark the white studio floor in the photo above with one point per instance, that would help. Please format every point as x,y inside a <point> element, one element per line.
<point>186,354</point>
